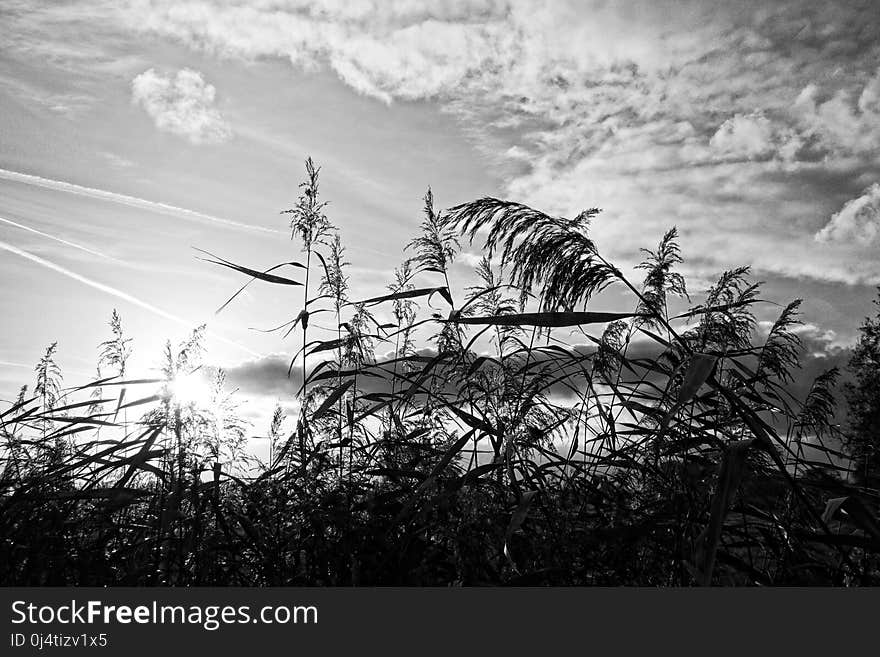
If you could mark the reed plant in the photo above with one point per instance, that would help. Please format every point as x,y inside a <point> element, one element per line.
<point>510,434</point>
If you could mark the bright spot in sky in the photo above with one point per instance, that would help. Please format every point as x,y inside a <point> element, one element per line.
<point>190,390</point>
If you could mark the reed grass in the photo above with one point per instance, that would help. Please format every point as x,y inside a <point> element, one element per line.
<point>512,436</point>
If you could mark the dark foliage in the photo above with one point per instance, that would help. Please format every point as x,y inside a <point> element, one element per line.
<point>537,443</point>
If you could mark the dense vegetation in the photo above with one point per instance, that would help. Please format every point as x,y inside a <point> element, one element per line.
<point>510,436</point>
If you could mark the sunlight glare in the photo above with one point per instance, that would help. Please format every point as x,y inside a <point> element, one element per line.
<point>190,389</point>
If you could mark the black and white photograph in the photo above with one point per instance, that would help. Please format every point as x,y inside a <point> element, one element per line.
<point>438,294</point>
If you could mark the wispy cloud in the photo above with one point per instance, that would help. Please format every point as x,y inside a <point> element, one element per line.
<point>742,123</point>
<point>182,104</point>
<point>60,240</point>
<point>117,161</point>
<point>171,210</point>
<point>115,292</point>
<point>9,363</point>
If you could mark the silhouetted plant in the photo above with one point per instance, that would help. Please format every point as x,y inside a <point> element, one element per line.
<point>863,399</point>
<point>517,437</point>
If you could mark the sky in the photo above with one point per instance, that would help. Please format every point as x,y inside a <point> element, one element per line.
<point>133,132</point>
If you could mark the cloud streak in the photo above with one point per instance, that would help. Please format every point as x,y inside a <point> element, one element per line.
<point>73,245</point>
<point>9,363</point>
<point>132,201</point>
<point>115,292</point>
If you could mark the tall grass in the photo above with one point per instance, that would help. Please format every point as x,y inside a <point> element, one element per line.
<point>509,435</point>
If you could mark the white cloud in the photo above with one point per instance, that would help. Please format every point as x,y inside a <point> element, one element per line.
<point>182,104</point>
<point>116,160</point>
<point>857,222</point>
<point>423,49</point>
<point>644,108</point>
<point>869,99</point>
<point>753,136</point>
<point>842,123</point>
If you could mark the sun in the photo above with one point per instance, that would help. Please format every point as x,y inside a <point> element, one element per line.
<point>190,390</point>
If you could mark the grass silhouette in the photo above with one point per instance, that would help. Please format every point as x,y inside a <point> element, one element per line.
<point>512,436</point>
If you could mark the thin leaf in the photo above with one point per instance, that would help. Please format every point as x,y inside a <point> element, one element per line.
<point>549,319</point>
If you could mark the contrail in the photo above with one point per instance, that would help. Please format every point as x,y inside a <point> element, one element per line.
<point>114,292</point>
<point>25,366</point>
<point>132,201</point>
<point>9,363</point>
<point>60,240</point>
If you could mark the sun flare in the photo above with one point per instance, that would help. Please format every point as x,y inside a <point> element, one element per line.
<point>190,390</point>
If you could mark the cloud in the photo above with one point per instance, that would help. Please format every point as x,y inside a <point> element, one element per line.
<point>846,122</point>
<point>265,376</point>
<point>752,136</point>
<point>113,197</point>
<point>743,124</point>
<point>117,161</point>
<point>115,292</point>
<point>55,238</point>
<point>857,222</point>
<point>182,105</point>
<point>821,352</point>
<point>425,49</point>
<point>869,99</point>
